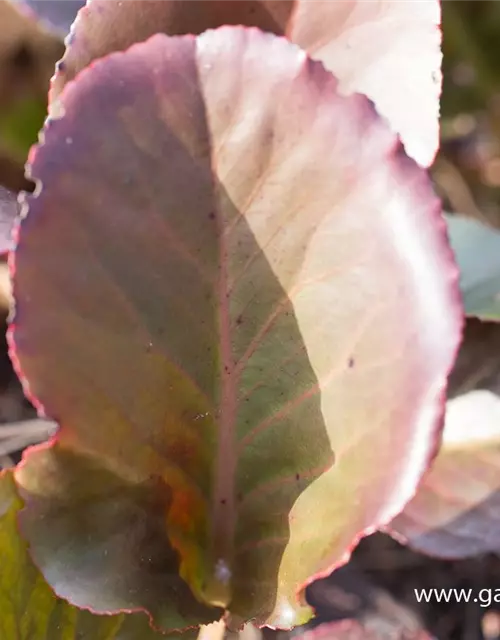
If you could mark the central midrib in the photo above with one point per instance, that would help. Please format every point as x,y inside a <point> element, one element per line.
<point>223,508</point>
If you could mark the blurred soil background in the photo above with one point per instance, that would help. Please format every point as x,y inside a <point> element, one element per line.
<point>377,586</point>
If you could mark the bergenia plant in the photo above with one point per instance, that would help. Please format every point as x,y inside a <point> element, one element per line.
<point>233,291</point>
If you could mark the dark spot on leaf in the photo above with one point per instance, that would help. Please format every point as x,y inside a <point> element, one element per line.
<point>239,320</point>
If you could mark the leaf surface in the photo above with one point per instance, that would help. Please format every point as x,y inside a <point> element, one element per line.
<point>28,607</point>
<point>224,292</point>
<point>477,251</point>
<point>388,50</point>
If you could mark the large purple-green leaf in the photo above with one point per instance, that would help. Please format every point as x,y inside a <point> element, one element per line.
<point>29,610</point>
<point>388,50</point>
<point>247,294</point>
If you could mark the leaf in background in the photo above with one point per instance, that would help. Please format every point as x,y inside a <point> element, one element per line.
<point>20,126</point>
<point>388,50</point>
<point>349,594</point>
<point>27,57</point>
<point>477,251</point>
<point>28,607</point>
<point>352,630</point>
<point>341,630</point>
<point>234,292</point>
<point>8,214</point>
<point>57,14</point>
<point>456,511</point>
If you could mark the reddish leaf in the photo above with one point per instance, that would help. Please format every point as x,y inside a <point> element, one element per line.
<point>457,507</point>
<point>224,272</point>
<point>388,50</point>
<point>29,610</point>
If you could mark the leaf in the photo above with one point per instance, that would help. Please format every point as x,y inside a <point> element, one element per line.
<point>348,594</point>
<point>28,607</point>
<point>477,251</point>
<point>477,365</point>
<point>223,271</point>
<point>352,630</point>
<point>19,128</point>
<point>339,630</point>
<point>27,58</point>
<point>129,546</point>
<point>8,213</point>
<point>455,513</point>
<point>57,14</point>
<point>388,50</point>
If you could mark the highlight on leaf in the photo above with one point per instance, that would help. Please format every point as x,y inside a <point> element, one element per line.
<point>223,271</point>
<point>387,50</point>
<point>28,607</point>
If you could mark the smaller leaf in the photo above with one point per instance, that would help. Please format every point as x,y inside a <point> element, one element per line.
<point>477,251</point>
<point>28,607</point>
<point>103,543</point>
<point>456,512</point>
